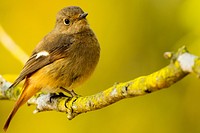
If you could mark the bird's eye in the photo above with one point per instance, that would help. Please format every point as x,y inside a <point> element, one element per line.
<point>66,21</point>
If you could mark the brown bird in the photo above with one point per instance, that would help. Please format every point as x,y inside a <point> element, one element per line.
<point>62,60</point>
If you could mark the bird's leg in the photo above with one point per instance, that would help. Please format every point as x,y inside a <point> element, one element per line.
<point>71,92</point>
<point>55,95</point>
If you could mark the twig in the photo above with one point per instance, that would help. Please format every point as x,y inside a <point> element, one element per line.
<point>182,63</point>
<point>13,48</point>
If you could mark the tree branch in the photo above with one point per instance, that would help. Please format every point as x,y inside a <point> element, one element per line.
<point>11,46</point>
<point>181,64</point>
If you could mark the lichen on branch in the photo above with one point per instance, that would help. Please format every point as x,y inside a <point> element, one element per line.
<point>181,64</point>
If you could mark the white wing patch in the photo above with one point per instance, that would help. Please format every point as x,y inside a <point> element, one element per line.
<point>42,53</point>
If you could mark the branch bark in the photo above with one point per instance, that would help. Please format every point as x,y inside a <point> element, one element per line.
<point>181,64</point>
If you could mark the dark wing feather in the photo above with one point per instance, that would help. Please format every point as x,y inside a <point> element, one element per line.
<point>57,49</point>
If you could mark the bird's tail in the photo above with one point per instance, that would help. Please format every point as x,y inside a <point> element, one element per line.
<point>19,102</point>
<point>26,94</point>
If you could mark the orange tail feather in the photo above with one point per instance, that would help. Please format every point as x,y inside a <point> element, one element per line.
<point>26,94</point>
<point>20,102</point>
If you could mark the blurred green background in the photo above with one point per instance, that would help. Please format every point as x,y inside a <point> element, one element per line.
<point>133,35</point>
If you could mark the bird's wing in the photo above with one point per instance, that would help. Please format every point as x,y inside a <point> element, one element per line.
<point>49,52</point>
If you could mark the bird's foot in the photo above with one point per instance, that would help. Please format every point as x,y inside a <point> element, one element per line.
<point>71,92</point>
<point>57,95</point>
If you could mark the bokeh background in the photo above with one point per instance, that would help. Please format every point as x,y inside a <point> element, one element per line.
<point>133,35</point>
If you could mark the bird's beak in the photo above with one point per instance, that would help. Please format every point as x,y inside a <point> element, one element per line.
<point>83,15</point>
